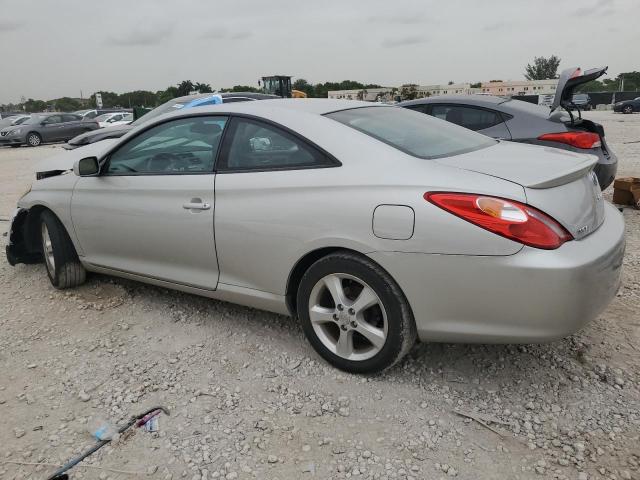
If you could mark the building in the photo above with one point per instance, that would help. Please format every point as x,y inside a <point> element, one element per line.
<point>367,94</point>
<point>452,89</point>
<point>519,87</point>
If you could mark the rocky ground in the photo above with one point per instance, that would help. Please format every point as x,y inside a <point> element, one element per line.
<point>250,399</point>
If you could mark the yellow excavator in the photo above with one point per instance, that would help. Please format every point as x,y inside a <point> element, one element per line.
<point>280,85</point>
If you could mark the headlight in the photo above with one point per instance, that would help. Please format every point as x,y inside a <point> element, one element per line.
<point>15,132</point>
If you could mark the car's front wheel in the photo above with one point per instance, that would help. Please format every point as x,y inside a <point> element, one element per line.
<point>627,109</point>
<point>354,314</point>
<point>60,257</point>
<point>34,139</point>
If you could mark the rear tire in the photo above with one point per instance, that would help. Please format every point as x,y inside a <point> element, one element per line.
<point>34,139</point>
<point>60,257</point>
<point>627,109</point>
<point>370,326</point>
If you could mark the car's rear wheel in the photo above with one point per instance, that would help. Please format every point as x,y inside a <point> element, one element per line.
<point>354,314</point>
<point>60,257</point>
<point>34,139</point>
<point>627,109</point>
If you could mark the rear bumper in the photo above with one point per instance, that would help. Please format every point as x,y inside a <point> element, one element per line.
<point>531,296</point>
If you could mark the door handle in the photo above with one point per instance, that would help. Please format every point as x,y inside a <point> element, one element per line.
<point>196,205</point>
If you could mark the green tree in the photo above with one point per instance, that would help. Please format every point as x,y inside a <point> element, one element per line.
<point>409,91</point>
<point>65,104</point>
<point>476,85</point>
<point>304,86</point>
<point>240,88</point>
<point>185,87</point>
<point>543,68</point>
<point>164,96</point>
<point>33,106</point>
<point>202,87</point>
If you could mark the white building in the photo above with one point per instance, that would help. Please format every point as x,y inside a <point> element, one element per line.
<point>367,94</point>
<point>453,89</point>
<point>519,87</point>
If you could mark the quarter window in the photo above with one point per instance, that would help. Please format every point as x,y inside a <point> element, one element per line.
<point>471,118</point>
<point>255,145</point>
<point>184,146</point>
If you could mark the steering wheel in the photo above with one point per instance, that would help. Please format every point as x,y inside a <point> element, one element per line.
<point>164,161</point>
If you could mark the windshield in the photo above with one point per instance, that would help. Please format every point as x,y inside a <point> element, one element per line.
<point>33,119</point>
<point>412,132</point>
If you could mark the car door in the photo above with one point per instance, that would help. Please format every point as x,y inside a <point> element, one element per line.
<point>482,120</point>
<point>262,170</point>
<point>72,126</point>
<point>50,128</point>
<point>150,210</point>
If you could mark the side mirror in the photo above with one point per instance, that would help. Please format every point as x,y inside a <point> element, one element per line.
<point>86,167</point>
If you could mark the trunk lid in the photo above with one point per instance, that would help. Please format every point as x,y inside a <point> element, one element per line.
<point>558,182</point>
<point>569,80</point>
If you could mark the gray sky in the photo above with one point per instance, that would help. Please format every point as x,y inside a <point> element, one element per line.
<point>57,48</point>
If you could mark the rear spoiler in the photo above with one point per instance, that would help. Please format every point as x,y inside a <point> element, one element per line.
<point>569,80</point>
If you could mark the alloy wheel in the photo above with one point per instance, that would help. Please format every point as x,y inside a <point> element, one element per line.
<point>628,109</point>
<point>47,249</point>
<point>348,317</point>
<point>34,140</point>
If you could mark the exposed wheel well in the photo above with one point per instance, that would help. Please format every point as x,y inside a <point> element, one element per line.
<point>31,229</point>
<point>301,267</point>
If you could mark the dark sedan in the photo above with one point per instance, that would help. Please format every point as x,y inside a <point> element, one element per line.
<point>627,106</point>
<point>46,127</point>
<point>189,101</point>
<point>507,119</point>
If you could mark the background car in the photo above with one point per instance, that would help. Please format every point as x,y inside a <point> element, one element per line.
<point>91,113</point>
<point>13,120</point>
<point>45,127</point>
<point>581,101</point>
<point>507,119</point>
<point>627,106</point>
<point>113,119</point>
<point>197,100</point>
<point>361,220</point>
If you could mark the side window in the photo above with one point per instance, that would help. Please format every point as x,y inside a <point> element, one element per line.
<point>255,145</point>
<point>183,146</point>
<point>91,115</point>
<point>53,119</point>
<point>468,117</point>
<point>71,118</point>
<point>417,108</point>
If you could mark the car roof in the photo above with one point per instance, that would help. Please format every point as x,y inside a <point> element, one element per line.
<point>473,99</point>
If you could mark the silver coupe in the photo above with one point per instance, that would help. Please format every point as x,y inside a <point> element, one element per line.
<point>373,225</point>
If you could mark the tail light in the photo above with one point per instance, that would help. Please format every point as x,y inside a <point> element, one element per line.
<point>510,219</point>
<point>584,140</point>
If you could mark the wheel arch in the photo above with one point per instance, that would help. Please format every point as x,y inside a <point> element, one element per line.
<point>308,259</point>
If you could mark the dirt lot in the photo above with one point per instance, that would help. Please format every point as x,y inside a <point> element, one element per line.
<point>250,399</point>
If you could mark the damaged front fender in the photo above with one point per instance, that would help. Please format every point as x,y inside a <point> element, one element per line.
<point>22,248</point>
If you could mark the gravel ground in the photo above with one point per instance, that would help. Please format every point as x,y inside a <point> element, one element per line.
<point>250,399</point>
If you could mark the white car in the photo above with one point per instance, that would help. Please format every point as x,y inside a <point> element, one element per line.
<point>114,119</point>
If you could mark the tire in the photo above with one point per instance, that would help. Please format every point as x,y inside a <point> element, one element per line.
<point>627,109</point>
<point>34,139</point>
<point>60,257</point>
<point>357,340</point>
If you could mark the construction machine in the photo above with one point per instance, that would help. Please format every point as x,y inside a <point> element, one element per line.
<point>280,85</point>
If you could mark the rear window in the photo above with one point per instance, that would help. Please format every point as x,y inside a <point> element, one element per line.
<point>412,132</point>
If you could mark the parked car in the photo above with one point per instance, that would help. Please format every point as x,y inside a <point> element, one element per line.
<point>581,101</point>
<point>4,115</point>
<point>114,119</point>
<point>90,114</point>
<point>372,224</point>
<point>9,121</point>
<point>198,100</point>
<point>45,127</point>
<point>627,106</point>
<point>507,119</point>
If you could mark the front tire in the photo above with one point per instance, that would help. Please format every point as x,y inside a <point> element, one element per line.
<point>354,314</point>
<point>60,257</point>
<point>34,139</point>
<point>627,109</point>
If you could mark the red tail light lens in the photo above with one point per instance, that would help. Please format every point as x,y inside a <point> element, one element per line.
<point>584,140</point>
<point>510,219</point>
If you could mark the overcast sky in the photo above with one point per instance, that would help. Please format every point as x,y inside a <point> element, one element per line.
<point>58,48</point>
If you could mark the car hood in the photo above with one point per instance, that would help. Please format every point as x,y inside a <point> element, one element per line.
<point>67,158</point>
<point>532,166</point>
<point>11,128</point>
